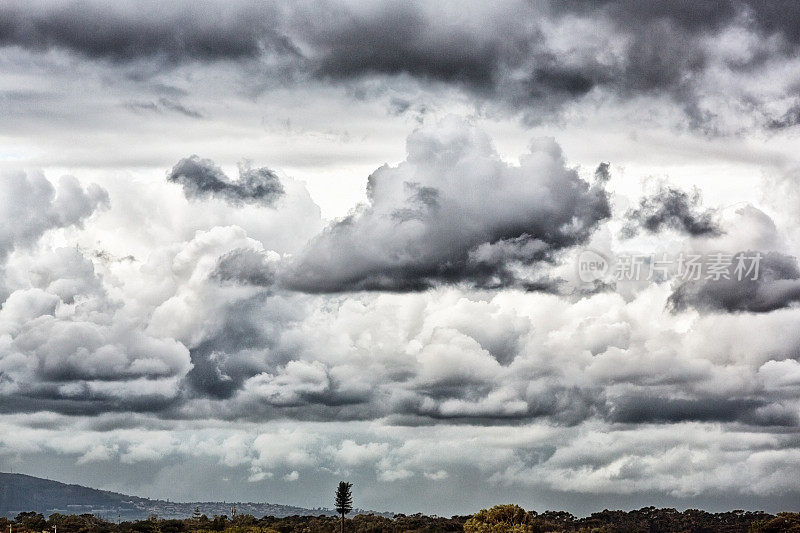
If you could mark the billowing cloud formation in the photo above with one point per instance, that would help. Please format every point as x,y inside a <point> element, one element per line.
<point>65,351</point>
<point>671,208</point>
<point>586,404</point>
<point>201,178</point>
<point>453,211</point>
<point>193,353</point>
<point>31,205</point>
<point>774,285</point>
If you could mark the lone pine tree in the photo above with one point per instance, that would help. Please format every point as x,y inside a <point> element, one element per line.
<point>344,500</point>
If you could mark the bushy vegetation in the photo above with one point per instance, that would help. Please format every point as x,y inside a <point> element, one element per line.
<point>514,519</point>
<point>498,519</point>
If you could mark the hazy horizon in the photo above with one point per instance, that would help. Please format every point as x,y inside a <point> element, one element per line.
<point>588,507</point>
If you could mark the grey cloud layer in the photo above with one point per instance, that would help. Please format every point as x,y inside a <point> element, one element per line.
<point>532,58</point>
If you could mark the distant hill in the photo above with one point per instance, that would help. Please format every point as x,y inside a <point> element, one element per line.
<point>20,492</point>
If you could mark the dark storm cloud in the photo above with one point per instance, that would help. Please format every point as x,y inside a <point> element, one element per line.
<point>507,54</point>
<point>496,57</point>
<point>671,208</point>
<point>603,172</point>
<point>398,39</point>
<point>232,353</point>
<point>503,55</point>
<point>638,409</point>
<point>82,401</point>
<point>781,16</point>
<point>408,39</point>
<point>201,178</point>
<point>208,377</point>
<point>453,212</point>
<point>245,266</point>
<point>128,31</point>
<point>778,16</point>
<point>777,285</point>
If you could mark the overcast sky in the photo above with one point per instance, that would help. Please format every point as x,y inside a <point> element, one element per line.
<point>248,249</point>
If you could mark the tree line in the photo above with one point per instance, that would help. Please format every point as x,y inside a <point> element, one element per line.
<point>498,519</point>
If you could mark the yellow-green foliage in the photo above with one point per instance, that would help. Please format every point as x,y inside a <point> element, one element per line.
<point>500,519</point>
<point>784,522</point>
<point>243,529</point>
